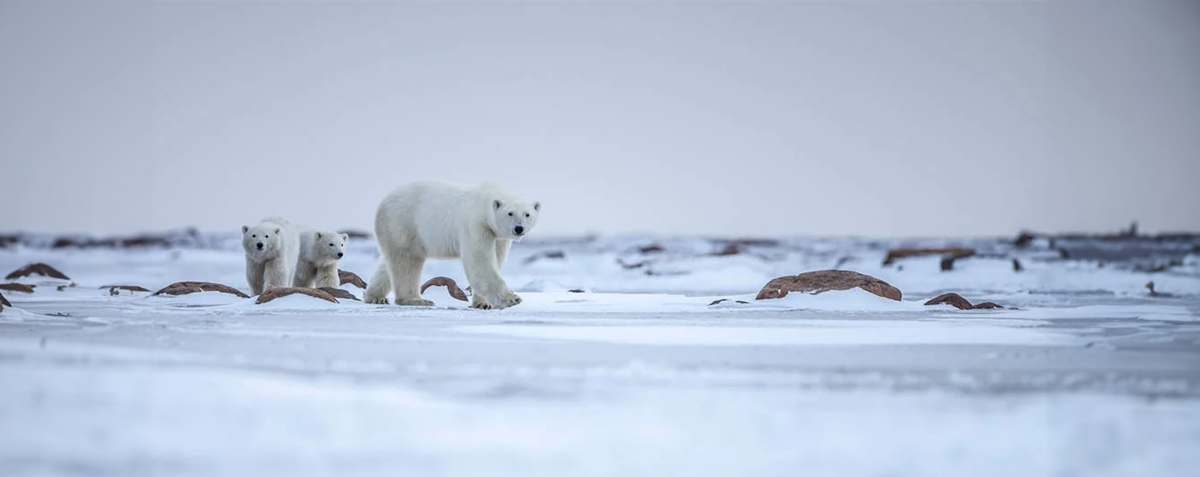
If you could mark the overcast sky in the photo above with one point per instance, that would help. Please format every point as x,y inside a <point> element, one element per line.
<point>768,118</point>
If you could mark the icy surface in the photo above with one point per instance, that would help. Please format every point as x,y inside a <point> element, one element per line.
<point>1084,373</point>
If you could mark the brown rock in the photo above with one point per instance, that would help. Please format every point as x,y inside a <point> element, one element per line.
<point>184,288</point>
<point>4,302</point>
<point>952,299</point>
<point>987,305</point>
<point>576,290</point>
<point>17,287</point>
<point>954,252</point>
<point>649,249</point>
<point>282,292</point>
<point>39,269</point>
<point>449,283</point>
<point>726,299</point>
<point>132,288</point>
<point>727,250</point>
<point>1017,266</point>
<point>827,280</point>
<point>339,293</point>
<point>345,277</point>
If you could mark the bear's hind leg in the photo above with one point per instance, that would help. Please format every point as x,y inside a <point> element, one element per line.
<point>379,286</point>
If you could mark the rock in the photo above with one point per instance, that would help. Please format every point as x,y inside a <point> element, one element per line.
<point>285,291</point>
<point>553,255</point>
<point>1024,240</point>
<point>827,280</point>
<point>576,290</point>
<point>339,293</point>
<point>957,301</point>
<point>726,299</point>
<point>184,288</point>
<point>345,277</point>
<point>39,269</point>
<point>130,288</point>
<point>1017,266</point>
<point>953,252</point>
<point>449,283</point>
<point>17,287</point>
<point>632,266</point>
<point>4,302</point>
<point>952,299</point>
<point>652,248</point>
<point>728,250</point>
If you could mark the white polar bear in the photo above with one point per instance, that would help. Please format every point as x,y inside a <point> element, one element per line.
<point>272,248</point>
<point>438,220</point>
<point>318,262</point>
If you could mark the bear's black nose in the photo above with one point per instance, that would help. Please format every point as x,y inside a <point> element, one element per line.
<point>519,230</point>
<point>260,245</point>
<point>340,254</point>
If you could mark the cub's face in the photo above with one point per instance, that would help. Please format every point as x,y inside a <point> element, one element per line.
<point>260,242</point>
<point>514,220</point>
<point>329,245</point>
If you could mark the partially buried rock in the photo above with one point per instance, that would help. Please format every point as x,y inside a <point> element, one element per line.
<point>957,301</point>
<point>37,269</point>
<point>4,302</point>
<point>345,277</point>
<point>827,280</point>
<point>282,292</point>
<point>449,283</point>
<point>130,288</point>
<point>952,299</point>
<point>17,287</point>
<point>740,302</point>
<point>184,288</point>
<point>339,293</point>
<point>553,255</point>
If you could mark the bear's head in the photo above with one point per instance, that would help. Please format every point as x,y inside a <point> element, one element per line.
<point>328,246</point>
<point>514,220</point>
<point>261,242</point>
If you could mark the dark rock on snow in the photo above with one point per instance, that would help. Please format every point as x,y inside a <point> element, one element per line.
<point>827,280</point>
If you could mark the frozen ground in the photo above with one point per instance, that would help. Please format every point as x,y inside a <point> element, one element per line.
<point>637,376</point>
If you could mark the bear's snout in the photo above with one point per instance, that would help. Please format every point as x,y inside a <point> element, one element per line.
<point>260,245</point>
<point>519,230</point>
<point>340,254</point>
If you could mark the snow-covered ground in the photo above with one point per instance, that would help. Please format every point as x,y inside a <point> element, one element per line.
<point>638,375</point>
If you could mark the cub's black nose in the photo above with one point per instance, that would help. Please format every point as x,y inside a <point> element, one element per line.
<point>519,230</point>
<point>340,254</point>
<point>260,245</point>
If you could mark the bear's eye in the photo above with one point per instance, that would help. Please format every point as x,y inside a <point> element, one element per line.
<point>253,236</point>
<point>330,245</point>
<point>527,214</point>
<point>266,236</point>
<point>510,214</point>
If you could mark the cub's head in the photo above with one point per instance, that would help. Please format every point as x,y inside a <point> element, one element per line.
<point>261,241</point>
<point>514,220</point>
<point>329,246</point>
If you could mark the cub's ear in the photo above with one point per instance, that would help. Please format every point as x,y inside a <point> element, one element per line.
<point>496,204</point>
<point>345,238</point>
<point>318,235</point>
<point>245,228</point>
<point>537,206</point>
<point>277,229</point>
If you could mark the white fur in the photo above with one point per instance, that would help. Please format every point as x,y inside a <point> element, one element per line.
<point>320,251</point>
<point>274,264</point>
<point>438,220</point>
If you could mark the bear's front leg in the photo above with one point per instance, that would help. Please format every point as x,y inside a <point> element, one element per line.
<point>254,276</point>
<point>489,289</point>
<point>276,274</point>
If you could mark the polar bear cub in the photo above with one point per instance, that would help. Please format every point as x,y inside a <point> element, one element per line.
<point>272,248</point>
<point>320,251</point>
<point>438,220</point>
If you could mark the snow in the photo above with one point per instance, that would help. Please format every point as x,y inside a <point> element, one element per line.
<point>636,375</point>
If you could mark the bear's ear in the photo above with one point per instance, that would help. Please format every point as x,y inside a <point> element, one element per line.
<point>537,206</point>
<point>496,204</point>
<point>345,238</point>
<point>318,235</point>
<point>245,228</point>
<point>277,229</point>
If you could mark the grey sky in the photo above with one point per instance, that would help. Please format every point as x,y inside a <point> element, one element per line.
<point>766,118</point>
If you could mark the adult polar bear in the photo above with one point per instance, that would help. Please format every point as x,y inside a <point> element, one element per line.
<point>438,220</point>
